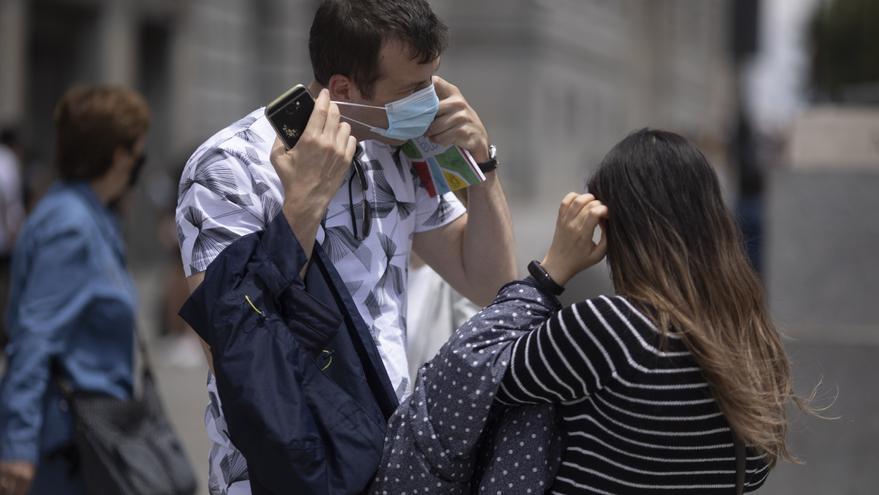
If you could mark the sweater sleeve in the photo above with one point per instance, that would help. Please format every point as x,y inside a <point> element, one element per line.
<point>570,356</point>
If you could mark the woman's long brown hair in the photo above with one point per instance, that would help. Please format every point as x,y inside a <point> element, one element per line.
<point>674,247</point>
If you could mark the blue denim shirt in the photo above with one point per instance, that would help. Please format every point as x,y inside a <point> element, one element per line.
<point>71,300</point>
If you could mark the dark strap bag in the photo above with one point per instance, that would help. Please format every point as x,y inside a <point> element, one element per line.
<point>740,466</point>
<point>128,447</point>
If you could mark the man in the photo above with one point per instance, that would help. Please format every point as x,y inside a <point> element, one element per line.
<point>366,52</point>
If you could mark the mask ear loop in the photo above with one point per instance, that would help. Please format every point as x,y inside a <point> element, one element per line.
<point>364,124</point>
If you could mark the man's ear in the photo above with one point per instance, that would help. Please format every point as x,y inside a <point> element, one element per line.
<point>343,88</point>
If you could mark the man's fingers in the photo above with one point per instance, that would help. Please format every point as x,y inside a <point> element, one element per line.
<point>331,126</point>
<point>444,88</point>
<point>278,147</point>
<point>350,149</point>
<point>318,117</point>
<point>342,135</point>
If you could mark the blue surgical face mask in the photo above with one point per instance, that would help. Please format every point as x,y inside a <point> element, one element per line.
<point>408,118</point>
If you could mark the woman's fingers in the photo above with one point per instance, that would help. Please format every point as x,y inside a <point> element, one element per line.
<point>576,207</point>
<point>566,203</point>
<point>592,214</point>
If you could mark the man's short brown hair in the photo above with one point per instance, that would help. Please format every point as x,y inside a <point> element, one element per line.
<point>91,122</point>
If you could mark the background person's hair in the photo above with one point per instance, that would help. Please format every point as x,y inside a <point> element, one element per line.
<point>347,35</point>
<point>90,123</point>
<point>673,246</point>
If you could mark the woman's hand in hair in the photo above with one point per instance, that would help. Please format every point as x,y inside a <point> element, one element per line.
<point>572,249</point>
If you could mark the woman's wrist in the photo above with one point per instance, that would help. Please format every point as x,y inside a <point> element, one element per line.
<point>544,280</point>
<point>558,274</point>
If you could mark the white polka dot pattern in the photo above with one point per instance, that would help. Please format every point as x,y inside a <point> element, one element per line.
<point>450,436</point>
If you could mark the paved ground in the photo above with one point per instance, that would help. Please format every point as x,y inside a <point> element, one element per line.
<point>841,456</point>
<point>185,397</point>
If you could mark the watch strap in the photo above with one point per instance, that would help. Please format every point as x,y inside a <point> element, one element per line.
<point>543,279</point>
<point>491,164</point>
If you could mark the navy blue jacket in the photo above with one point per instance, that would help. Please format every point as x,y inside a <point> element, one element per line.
<point>303,389</point>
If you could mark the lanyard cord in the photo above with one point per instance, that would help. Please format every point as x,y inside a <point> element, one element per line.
<point>358,170</point>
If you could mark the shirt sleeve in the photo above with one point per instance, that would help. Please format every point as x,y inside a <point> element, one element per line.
<point>44,316</point>
<point>435,212</point>
<point>218,202</point>
<point>570,356</point>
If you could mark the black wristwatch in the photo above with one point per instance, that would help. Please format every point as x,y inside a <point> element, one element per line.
<point>544,281</point>
<point>491,164</point>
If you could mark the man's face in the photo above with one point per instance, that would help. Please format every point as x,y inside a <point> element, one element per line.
<point>400,74</point>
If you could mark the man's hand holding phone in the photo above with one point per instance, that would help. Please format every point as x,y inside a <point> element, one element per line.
<point>313,170</point>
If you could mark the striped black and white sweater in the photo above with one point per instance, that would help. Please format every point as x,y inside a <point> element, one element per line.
<point>637,415</point>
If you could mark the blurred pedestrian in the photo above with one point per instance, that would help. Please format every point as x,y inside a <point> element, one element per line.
<point>434,310</point>
<point>678,384</point>
<point>11,210</point>
<point>72,300</point>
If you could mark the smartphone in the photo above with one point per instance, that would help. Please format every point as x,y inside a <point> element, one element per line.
<point>289,114</point>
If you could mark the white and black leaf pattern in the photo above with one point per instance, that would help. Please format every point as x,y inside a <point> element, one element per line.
<point>234,467</point>
<point>212,174</point>
<point>209,242</point>
<point>247,156</point>
<point>386,199</point>
<point>241,200</point>
<point>398,161</point>
<point>340,242</point>
<point>248,135</point>
<point>270,207</point>
<point>181,236</point>
<point>259,188</point>
<point>245,122</point>
<point>393,278</point>
<point>353,286</point>
<point>405,209</point>
<point>441,214</point>
<point>374,307</point>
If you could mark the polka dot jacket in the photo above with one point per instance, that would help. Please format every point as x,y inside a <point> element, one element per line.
<point>450,436</point>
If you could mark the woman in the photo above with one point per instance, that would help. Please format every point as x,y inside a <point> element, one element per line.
<point>653,387</point>
<point>72,304</point>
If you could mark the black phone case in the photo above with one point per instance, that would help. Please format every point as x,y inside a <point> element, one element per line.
<point>289,114</point>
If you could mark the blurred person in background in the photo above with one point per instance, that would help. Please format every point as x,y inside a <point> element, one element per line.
<point>677,384</point>
<point>72,304</point>
<point>434,310</point>
<point>179,346</point>
<point>11,210</point>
